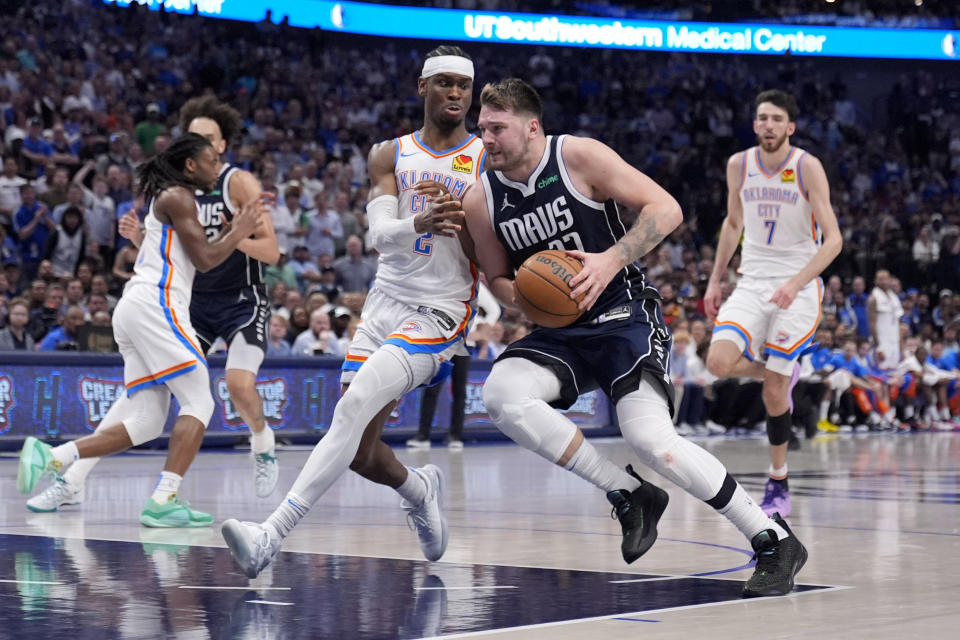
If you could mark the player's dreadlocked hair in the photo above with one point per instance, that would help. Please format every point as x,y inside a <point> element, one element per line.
<point>165,169</point>
<point>226,117</point>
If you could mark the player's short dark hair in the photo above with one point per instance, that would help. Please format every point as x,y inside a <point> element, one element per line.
<point>226,117</point>
<point>448,50</point>
<point>513,94</point>
<point>778,98</point>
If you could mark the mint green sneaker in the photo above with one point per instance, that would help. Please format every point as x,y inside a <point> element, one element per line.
<point>36,461</point>
<point>174,513</point>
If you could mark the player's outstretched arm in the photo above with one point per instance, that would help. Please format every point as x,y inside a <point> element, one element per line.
<point>818,191</point>
<point>730,232</point>
<point>601,174</point>
<point>490,254</point>
<point>177,206</point>
<point>245,188</point>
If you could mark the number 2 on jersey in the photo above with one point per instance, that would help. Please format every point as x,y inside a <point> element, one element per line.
<point>772,225</point>
<point>424,244</point>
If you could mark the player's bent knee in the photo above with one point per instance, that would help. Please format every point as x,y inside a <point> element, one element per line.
<point>198,405</point>
<point>719,362</point>
<point>147,414</point>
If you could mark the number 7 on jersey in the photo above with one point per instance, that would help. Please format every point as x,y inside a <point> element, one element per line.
<point>772,225</point>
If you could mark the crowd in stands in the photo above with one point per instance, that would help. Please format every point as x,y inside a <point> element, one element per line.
<point>88,91</point>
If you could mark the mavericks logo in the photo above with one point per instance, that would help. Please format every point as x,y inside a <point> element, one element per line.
<point>98,395</point>
<point>273,393</point>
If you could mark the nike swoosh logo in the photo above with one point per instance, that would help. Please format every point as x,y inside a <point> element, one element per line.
<point>752,175</point>
<point>407,155</point>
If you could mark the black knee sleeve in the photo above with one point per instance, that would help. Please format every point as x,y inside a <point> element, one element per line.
<point>778,428</point>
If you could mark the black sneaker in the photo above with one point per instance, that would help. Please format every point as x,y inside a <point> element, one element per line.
<point>638,513</point>
<point>778,561</point>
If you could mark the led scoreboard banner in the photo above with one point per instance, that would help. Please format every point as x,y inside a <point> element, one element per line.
<point>579,31</point>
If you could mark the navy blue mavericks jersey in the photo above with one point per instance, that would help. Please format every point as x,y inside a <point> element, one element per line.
<point>548,212</point>
<point>237,271</point>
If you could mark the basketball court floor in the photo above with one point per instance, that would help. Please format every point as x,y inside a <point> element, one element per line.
<point>533,553</point>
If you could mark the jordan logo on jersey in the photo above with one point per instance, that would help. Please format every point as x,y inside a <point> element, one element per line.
<point>463,163</point>
<point>506,204</point>
<point>787,175</point>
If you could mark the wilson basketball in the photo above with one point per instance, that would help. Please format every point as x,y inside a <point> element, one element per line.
<point>543,288</point>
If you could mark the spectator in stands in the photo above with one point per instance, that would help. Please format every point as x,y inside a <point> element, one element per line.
<point>299,322</point>
<point>355,271</point>
<point>304,267</point>
<point>857,301</point>
<point>56,193</point>
<point>10,184</point>
<point>98,286</point>
<point>147,130</point>
<point>277,344</point>
<point>75,198</point>
<point>325,228</point>
<point>281,273</point>
<point>32,223</point>
<point>15,336</point>
<point>35,150</point>
<point>73,295</point>
<point>67,245</point>
<point>318,339</point>
<point>290,221</point>
<point>64,337</point>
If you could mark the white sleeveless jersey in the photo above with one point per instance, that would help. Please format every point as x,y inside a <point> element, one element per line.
<point>780,234</point>
<point>433,270</point>
<point>163,263</point>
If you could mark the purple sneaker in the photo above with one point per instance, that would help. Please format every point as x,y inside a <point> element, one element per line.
<point>793,383</point>
<point>775,499</point>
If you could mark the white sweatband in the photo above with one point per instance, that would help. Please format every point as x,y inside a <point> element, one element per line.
<point>385,228</point>
<point>447,64</point>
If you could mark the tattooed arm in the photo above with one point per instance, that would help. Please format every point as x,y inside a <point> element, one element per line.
<point>600,174</point>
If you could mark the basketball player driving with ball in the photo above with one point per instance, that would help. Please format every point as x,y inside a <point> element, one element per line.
<point>544,192</point>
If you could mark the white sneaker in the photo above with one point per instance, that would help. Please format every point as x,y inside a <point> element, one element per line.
<point>58,494</point>
<point>417,443</point>
<point>455,445</point>
<point>684,429</point>
<point>944,413</point>
<point>266,470</point>
<point>715,429</point>
<point>253,546</point>
<point>428,518</point>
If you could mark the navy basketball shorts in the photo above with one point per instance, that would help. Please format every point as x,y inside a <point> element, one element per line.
<point>609,354</point>
<point>223,315</point>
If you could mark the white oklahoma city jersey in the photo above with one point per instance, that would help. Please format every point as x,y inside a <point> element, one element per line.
<point>780,234</point>
<point>433,270</point>
<point>152,320</point>
<point>163,263</point>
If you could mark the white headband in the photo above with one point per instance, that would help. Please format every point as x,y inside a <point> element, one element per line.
<point>447,64</point>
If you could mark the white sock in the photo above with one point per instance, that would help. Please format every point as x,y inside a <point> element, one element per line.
<point>777,474</point>
<point>166,487</point>
<point>594,468</point>
<point>66,454</point>
<point>824,409</point>
<point>77,474</point>
<point>285,517</point>
<point>747,516</point>
<point>262,442</point>
<point>414,488</point>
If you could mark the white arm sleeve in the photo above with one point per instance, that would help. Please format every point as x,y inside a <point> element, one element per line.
<point>386,230</point>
